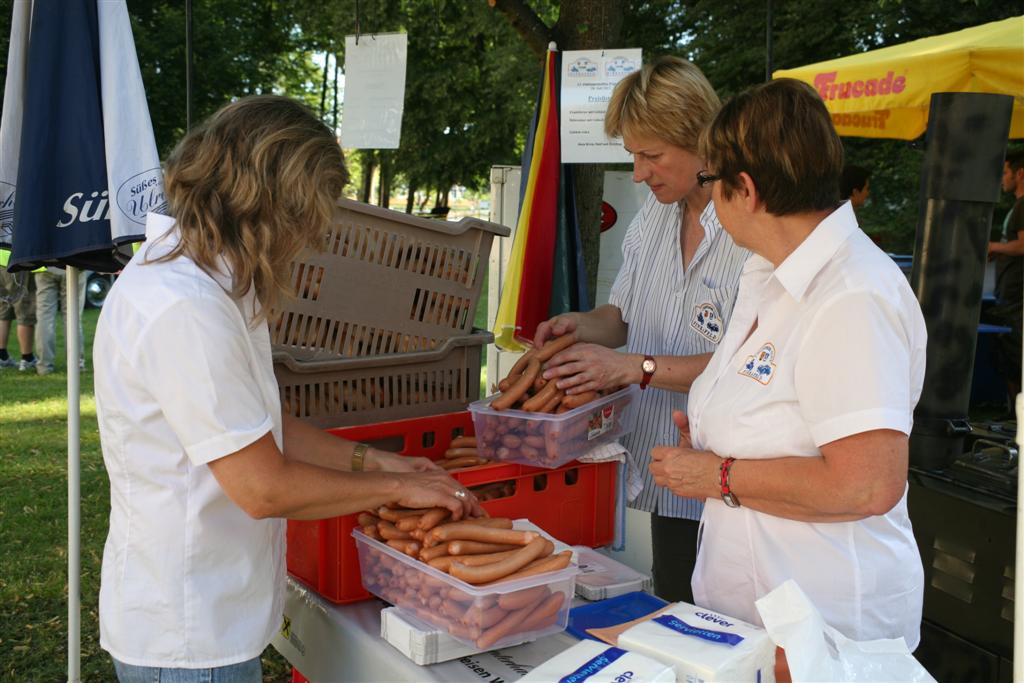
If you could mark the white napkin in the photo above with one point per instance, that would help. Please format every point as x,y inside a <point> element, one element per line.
<point>616,452</point>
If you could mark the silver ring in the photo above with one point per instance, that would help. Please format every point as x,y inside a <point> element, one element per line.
<point>461,494</point>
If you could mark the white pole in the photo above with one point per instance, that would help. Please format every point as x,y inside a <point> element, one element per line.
<point>71,319</point>
<point>1019,602</point>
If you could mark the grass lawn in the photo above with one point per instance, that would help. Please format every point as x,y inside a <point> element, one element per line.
<point>33,527</point>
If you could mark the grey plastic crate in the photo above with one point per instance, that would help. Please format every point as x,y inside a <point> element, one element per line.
<point>354,391</point>
<point>385,282</point>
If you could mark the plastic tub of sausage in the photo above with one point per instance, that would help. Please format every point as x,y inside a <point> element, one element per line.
<point>485,617</point>
<point>552,440</point>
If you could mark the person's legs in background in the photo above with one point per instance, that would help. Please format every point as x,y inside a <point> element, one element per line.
<point>674,546</point>
<point>51,297</point>
<point>17,302</point>
<point>49,291</point>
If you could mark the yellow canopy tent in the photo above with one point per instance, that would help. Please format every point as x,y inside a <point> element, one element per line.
<point>885,93</point>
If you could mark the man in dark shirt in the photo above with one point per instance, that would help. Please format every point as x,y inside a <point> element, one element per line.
<point>1008,255</point>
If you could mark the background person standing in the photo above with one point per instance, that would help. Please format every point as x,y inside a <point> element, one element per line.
<point>16,305</point>
<point>855,185</point>
<point>1008,254</point>
<point>51,296</point>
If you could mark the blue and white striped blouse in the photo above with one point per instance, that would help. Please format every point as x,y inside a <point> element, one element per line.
<point>671,312</point>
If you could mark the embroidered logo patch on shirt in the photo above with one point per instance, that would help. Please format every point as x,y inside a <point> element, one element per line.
<point>707,322</point>
<point>760,365</point>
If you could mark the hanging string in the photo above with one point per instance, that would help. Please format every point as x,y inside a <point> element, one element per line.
<point>357,22</point>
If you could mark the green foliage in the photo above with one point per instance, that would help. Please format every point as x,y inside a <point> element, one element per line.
<point>727,40</point>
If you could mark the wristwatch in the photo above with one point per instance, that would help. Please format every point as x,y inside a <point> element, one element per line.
<point>648,366</point>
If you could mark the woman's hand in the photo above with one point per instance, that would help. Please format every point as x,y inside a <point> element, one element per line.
<point>383,461</point>
<point>555,327</point>
<point>436,489</point>
<point>591,367</point>
<point>683,424</point>
<point>685,471</point>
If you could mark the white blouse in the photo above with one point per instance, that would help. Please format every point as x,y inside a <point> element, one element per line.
<point>188,580</point>
<point>839,349</point>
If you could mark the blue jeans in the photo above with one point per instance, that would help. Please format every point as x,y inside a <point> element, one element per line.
<point>244,672</point>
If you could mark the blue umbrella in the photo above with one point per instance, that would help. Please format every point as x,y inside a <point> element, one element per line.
<point>79,171</point>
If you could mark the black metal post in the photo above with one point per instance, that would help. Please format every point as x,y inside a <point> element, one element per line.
<point>188,64</point>
<point>966,143</point>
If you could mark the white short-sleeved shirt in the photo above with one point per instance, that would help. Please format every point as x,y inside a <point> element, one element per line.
<point>839,350</point>
<point>189,580</point>
<point>671,311</point>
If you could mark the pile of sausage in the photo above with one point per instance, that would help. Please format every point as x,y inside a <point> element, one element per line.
<point>547,443</point>
<point>481,552</point>
<point>462,453</point>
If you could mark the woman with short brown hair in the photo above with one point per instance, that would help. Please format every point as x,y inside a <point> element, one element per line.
<point>798,428</point>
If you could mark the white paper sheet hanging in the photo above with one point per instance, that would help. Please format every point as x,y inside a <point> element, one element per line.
<point>588,79</point>
<point>374,91</point>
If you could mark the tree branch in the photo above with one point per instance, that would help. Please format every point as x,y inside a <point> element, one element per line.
<point>527,24</point>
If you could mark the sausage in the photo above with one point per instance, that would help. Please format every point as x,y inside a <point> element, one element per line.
<point>502,628</point>
<point>427,554</point>
<point>486,558</point>
<point>371,531</point>
<point>498,570</point>
<point>522,598</point>
<point>393,515</point>
<point>442,563</point>
<point>543,613</point>
<point>408,547</point>
<point>555,401</point>
<point>476,532</point>
<point>520,365</point>
<point>519,389</point>
<point>545,564</point>
<point>433,517</point>
<point>541,398</point>
<point>484,618</point>
<point>408,523</point>
<point>553,346</point>
<point>459,463</point>
<point>477,548</point>
<point>389,531</point>
<point>366,519</point>
<point>464,441</point>
<point>576,400</point>
<point>462,451</point>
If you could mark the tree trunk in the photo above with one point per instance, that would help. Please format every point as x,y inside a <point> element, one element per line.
<point>384,188</point>
<point>410,200</point>
<point>581,25</point>
<point>369,161</point>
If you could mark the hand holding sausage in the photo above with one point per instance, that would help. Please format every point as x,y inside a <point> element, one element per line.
<point>435,489</point>
<point>391,462</point>
<point>555,327</point>
<point>592,367</point>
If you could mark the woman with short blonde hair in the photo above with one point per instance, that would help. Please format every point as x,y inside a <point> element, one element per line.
<point>672,298</point>
<point>203,466</point>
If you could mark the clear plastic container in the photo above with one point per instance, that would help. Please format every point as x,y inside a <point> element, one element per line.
<point>471,614</point>
<point>547,440</point>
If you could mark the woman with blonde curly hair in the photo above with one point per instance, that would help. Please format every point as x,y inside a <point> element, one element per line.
<point>203,466</point>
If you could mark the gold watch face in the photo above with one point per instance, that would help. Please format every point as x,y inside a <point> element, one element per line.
<point>648,366</point>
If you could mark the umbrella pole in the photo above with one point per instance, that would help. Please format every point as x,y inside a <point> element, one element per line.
<point>71,319</point>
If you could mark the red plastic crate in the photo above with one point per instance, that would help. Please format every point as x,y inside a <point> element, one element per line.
<point>297,677</point>
<point>574,503</point>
